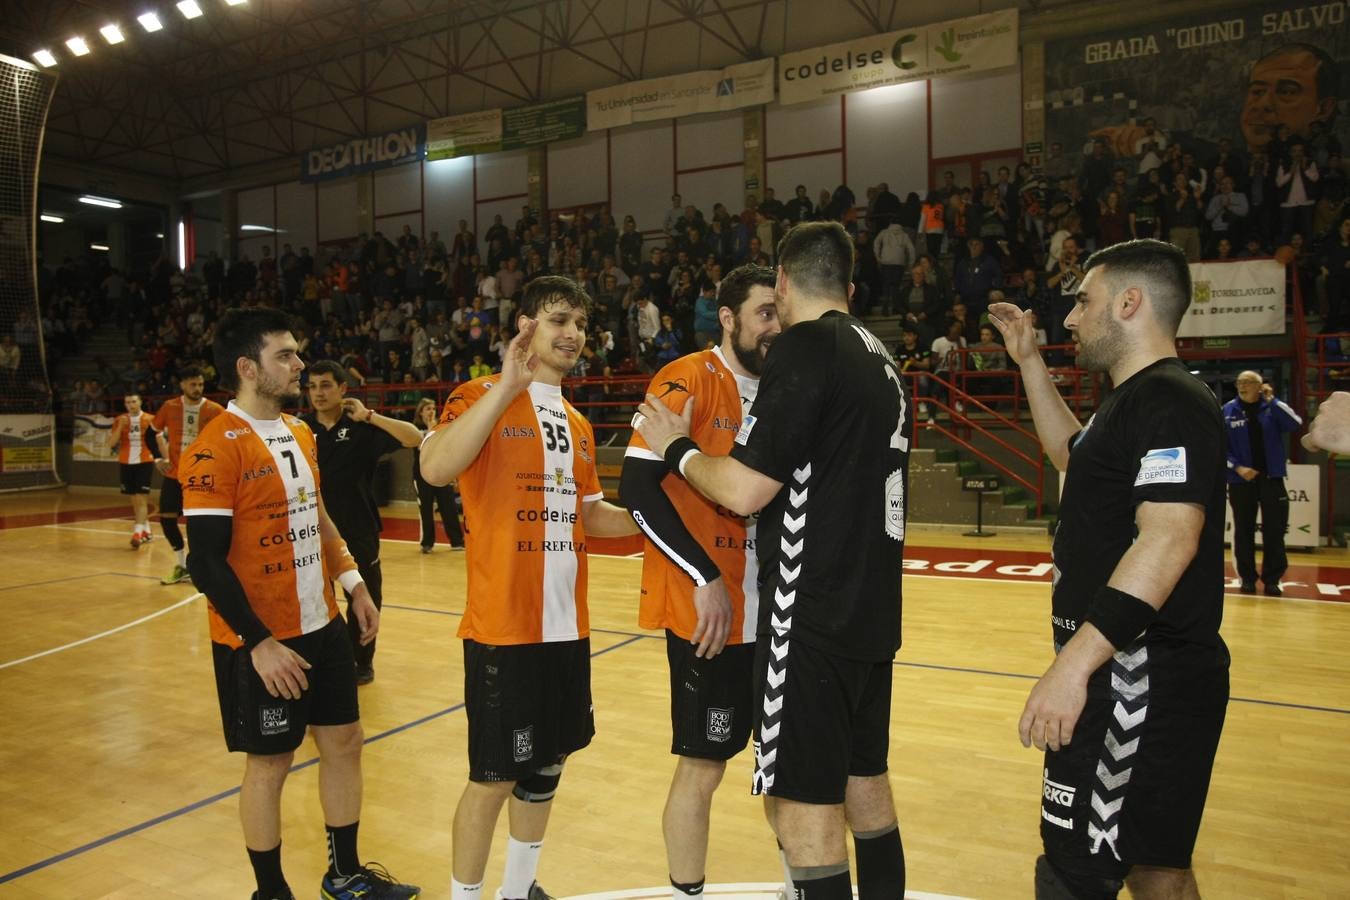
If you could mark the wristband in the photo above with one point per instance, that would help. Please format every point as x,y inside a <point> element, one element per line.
<point>678,452</point>
<point>350,579</point>
<point>1120,617</point>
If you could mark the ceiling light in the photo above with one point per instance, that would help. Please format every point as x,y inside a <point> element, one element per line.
<point>78,46</point>
<point>236,2</point>
<point>111,33</point>
<point>266,228</point>
<point>100,201</point>
<point>149,21</point>
<point>160,235</point>
<point>44,58</point>
<point>103,247</point>
<point>189,9</point>
<point>48,217</point>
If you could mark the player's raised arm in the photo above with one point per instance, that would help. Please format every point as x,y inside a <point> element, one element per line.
<point>1055,422</point>
<point>452,448</point>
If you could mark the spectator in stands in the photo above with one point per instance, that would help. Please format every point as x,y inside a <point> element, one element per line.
<point>10,357</point>
<point>895,255</point>
<point>1334,267</point>
<point>707,327</point>
<point>916,360</point>
<point>1223,249</point>
<point>1296,181</point>
<point>644,323</point>
<point>976,276</point>
<point>988,355</point>
<point>673,215</point>
<point>1113,222</point>
<point>947,361</point>
<point>1184,217</point>
<point>932,224</point>
<point>920,304</point>
<point>1227,212</point>
<point>669,341</point>
<point>799,208</point>
<point>1146,211</point>
<point>1063,282</point>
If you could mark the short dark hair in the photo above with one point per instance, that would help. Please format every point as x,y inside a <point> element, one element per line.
<point>818,257</point>
<point>328,367</point>
<point>241,333</point>
<point>547,290</point>
<point>190,372</point>
<point>1161,269</point>
<point>1327,81</point>
<point>736,284</point>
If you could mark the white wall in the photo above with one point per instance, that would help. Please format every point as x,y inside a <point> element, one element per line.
<point>887,134</point>
<point>297,216</point>
<point>338,217</point>
<point>642,172</point>
<point>977,114</point>
<point>449,195</point>
<point>578,171</point>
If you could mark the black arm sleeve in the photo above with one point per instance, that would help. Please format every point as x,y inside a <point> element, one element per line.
<point>152,441</point>
<point>640,490</point>
<point>209,537</point>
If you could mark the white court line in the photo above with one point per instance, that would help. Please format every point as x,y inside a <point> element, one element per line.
<point>1026,582</point>
<point>65,527</point>
<point>111,631</point>
<point>759,891</point>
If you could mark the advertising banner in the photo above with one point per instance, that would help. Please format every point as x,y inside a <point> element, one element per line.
<point>506,129</point>
<point>713,90</point>
<point>89,442</point>
<point>1203,77</point>
<point>365,154</point>
<point>913,54</point>
<point>1233,298</point>
<point>28,443</point>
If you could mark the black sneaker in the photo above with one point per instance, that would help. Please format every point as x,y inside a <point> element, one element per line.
<point>371,882</point>
<point>1247,587</point>
<point>284,896</point>
<point>426,549</point>
<point>1273,590</point>
<point>365,674</point>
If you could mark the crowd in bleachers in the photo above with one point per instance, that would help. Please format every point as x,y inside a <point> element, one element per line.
<point>418,309</point>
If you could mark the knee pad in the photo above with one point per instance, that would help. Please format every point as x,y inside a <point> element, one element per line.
<point>540,786</point>
<point>1053,883</point>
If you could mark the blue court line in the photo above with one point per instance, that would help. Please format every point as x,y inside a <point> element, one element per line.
<point>15,587</point>
<point>215,798</point>
<point>915,665</point>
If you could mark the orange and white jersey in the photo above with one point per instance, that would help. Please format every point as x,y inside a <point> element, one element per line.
<point>180,422</point>
<point>264,474</point>
<point>723,397</point>
<point>523,497</point>
<point>133,446</point>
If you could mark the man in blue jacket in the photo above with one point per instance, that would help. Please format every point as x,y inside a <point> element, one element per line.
<point>1256,469</point>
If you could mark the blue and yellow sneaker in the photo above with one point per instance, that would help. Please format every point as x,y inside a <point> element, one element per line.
<point>371,882</point>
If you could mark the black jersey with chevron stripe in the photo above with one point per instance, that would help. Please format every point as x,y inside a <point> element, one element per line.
<point>832,422</point>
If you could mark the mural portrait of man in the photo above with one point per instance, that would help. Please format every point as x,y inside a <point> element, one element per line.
<point>1294,85</point>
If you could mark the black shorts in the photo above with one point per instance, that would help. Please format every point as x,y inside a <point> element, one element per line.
<point>256,722</point>
<point>170,498</point>
<point>711,700</point>
<point>819,718</point>
<point>136,477</point>
<point>1130,789</point>
<point>528,705</point>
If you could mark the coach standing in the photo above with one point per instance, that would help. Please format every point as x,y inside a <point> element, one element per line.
<point>1257,422</point>
<point>351,441</point>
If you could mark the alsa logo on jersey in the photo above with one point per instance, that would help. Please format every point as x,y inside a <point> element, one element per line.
<point>747,426</point>
<point>260,472</point>
<point>725,423</point>
<point>290,537</point>
<point>1165,466</point>
<point>518,431</point>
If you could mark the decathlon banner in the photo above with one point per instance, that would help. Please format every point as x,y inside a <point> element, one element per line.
<point>713,90</point>
<point>365,154</point>
<point>1232,298</point>
<point>914,54</point>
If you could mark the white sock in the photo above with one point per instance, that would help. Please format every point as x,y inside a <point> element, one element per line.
<point>182,557</point>
<point>465,891</point>
<point>522,862</point>
<point>142,526</point>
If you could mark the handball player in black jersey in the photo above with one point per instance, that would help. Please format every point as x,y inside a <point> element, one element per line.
<point>823,457</point>
<point>1130,712</point>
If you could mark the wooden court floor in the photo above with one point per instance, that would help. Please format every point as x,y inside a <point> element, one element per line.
<point>117,783</point>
